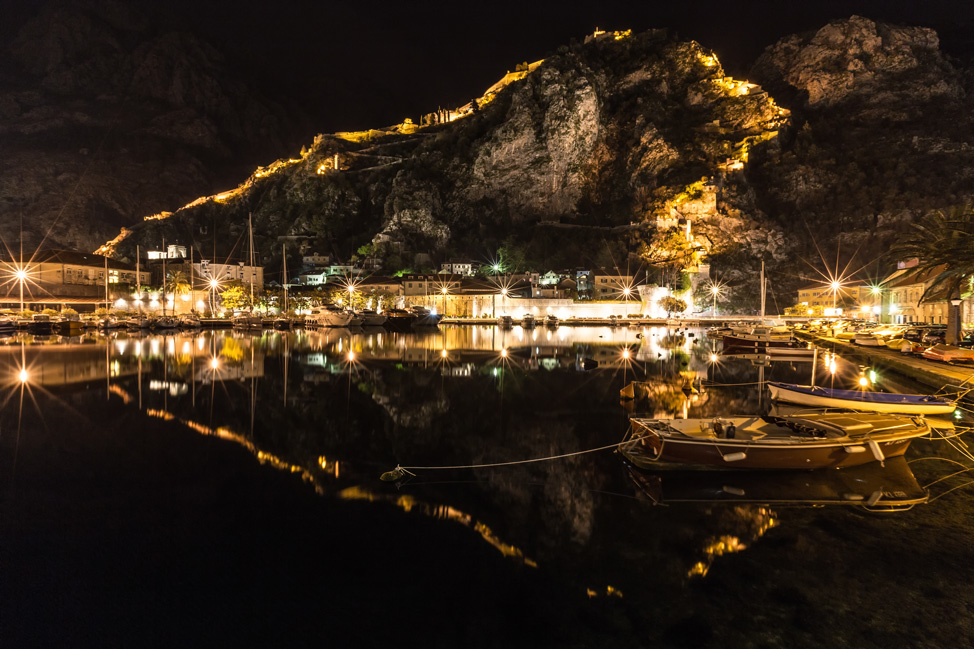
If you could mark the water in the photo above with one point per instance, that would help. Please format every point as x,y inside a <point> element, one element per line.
<point>222,489</point>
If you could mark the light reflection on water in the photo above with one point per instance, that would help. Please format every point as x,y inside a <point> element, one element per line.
<point>340,407</point>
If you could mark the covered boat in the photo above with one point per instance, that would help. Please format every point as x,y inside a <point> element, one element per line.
<point>820,397</point>
<point>949,354</point>
<point>814,441</point>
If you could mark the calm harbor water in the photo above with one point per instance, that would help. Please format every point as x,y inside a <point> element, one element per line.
<point>223,489</point>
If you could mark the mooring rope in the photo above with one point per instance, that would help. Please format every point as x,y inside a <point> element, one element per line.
<point>400,471</point>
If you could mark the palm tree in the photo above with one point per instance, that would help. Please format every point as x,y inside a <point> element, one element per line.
<point>176,282</point>
<point>944,245</point>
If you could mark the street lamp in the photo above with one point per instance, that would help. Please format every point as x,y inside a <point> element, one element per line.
<point>21,275</point>
<point>714,290</point>
<point>444,301</point>
<point>213,284</point>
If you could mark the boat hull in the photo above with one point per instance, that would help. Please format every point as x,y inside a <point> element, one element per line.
<point>813,455</point>
<point>826,398</point>
<point>743,341</point>
<point>887,488</point>
<point>655,441</point>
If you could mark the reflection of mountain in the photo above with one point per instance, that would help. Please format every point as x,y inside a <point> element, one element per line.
<point>410,399</point>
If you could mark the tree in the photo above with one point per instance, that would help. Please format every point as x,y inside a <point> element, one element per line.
<point>235,296</point>
<point>944,245</point>
<point>671,304</point>
<point>176,282</point>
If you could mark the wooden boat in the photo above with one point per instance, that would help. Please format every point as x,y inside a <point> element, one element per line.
<point>813,441</point>
<point>890,486</point>
<point>821,397</point>
<point>551,321</point>
<point>796,348</point>
<point>527,321</point>
<point>757,338</point>
<point>949,354</point>
<point>505,322</point>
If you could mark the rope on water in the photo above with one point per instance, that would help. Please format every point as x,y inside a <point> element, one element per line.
<point>960,486</point>
<point>400,471</point>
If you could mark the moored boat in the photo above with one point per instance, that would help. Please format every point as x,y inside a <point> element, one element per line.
<point>757,338</point>
<point>399,319</point>
<point>815,396</point>
<point>372,319</point>
<point>327,316</point>
<point>949,354</point>
<point>425,317</point>
<point>813,441</point>
<point>795,348</point>
<point>527,321</point>
<point>505,322</point>
<point>551,321</point>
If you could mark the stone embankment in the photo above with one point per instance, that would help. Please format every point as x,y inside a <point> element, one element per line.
<point>934,374</point>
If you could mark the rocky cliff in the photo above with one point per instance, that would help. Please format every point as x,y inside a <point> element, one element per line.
<point>881,132</point>
<point>575,163</point>
<point>104,120</point>
<point>599,155</point>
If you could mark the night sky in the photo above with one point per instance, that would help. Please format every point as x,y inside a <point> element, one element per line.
<point>359,64</point>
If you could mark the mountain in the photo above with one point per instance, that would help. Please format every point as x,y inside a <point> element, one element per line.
<point>881,131</point>
<point>569,160</point>
<point>104,119</point>
<point>607,152</point>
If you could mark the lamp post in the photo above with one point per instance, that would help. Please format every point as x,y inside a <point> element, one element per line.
<point>213,284</point>
<point>714,291</point>
<point>21,278</point>
<point>444,301</point>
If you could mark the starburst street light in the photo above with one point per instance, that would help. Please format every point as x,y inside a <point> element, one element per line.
<point>716,289</point>
<point>214,284</point>
<point>21,276</point>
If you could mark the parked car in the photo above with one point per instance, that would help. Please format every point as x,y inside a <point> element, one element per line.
<point>916,332</point>
<point>934,336</point>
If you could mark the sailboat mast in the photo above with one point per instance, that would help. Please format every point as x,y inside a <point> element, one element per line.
<point>250,226</point>
<point>107,301</point>
<point>138,281</point>
<point>164,255</point>
<point>284,257</point>
<point>763,289</point>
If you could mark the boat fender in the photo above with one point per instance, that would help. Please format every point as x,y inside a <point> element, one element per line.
<point>734,491</point>
<point>735,457</point>
<point>877,452</point>
<point>731,431</point>
<point>854,449</point>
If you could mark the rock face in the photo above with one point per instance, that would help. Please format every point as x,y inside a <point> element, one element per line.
<point>882,131</point>
<point>103,121</point>
<point>595,157</point>
<point>599,136</point>
<point>859,58</point>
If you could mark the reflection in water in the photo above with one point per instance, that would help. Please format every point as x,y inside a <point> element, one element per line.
<point>339,407</point>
